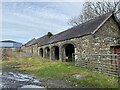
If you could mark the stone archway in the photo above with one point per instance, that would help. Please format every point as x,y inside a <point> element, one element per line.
<point>55,52</point>
<point>68,52</point>
<point>41,52</point>
<point>47,52</point>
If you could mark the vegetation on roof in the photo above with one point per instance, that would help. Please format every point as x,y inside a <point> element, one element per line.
<point>49,34</point>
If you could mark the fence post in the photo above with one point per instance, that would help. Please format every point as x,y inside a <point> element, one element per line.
<point>118,64</point>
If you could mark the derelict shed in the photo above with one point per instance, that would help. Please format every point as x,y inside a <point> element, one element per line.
<point>96,36</point>
<point>94,44</point>
<point>29,47</point>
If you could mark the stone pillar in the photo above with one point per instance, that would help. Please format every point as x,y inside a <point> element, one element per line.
<point>75,54</point>
<point>60,53</point>
<point>63,54</point>
<point>53,53</point>
<point>44,52</point>
<point>38,51</point>
<point>50,56</point>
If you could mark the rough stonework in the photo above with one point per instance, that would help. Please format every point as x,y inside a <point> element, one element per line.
<point>97,36</point>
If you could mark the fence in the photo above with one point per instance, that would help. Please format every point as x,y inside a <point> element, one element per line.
<point>105,63</point>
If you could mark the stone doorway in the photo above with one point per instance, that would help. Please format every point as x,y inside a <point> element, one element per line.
<point>69,50</point>
<point>47,52</point>
<point>55,52</point>
<point>41,52</point>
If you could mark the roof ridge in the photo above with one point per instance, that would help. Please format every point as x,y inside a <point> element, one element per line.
<point>102,23</point>
<point>87,28</point>
<point>84,22</point>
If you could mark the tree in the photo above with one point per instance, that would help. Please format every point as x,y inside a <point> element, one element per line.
<point>49,34</point>
<point>94,9</point>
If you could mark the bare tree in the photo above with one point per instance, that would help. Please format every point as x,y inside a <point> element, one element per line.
<point>92,10</point>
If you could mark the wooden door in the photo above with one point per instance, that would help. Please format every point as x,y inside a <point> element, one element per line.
<point>116,51</point>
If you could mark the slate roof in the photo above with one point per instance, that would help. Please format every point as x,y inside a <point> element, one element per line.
<point>87,28</point>
<point>31,42</point>
<point>37,41</point>
<point>42,40</point>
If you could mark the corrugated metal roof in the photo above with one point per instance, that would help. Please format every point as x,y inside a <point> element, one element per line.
<point>9,41</point>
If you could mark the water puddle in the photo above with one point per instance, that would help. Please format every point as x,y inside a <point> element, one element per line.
<point>18,80</point>
<point>31,86</point>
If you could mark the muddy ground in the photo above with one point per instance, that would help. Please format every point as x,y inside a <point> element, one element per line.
<point>18,80</point>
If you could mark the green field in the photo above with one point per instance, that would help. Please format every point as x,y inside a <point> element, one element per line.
<point>61,70</point>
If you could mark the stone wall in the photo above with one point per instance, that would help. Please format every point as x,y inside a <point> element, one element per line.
<point>27,49</point>
<point>101,41</point>
<point>104,38</point>
<point>61,48</point>
<point>35,49</point>
<point>98,43</point>
<point>6,52</point>
<point>110,28</point>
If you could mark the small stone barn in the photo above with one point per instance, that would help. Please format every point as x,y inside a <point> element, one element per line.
<point>97,36</point>
<point>31,47</point>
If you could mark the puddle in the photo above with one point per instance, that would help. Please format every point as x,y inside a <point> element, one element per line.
<point>32,86</point>
<point>18,80</point>
<point>18,76</point>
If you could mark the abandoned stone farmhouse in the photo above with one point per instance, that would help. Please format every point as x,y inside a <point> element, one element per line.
<point>96,36</point>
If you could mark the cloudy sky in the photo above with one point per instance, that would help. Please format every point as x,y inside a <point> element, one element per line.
<point>22,21</point>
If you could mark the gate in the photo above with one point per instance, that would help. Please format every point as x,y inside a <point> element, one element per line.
<point>105,63</point>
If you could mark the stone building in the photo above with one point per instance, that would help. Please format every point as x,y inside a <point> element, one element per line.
<point>31,47</point>
<point>97,36</point>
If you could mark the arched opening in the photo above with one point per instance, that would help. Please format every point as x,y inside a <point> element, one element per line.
<point>47,52</point>
<point>69,50</point>
<point>32,50</point>
<point>41,52</point>
<point>56,52</point>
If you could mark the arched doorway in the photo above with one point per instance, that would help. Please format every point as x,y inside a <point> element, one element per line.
<point>55,52</point>
<point>41,52</point>
<point>47,52</point>
<point>68,51</point>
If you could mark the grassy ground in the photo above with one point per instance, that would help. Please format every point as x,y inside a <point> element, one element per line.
<point>61,70</point>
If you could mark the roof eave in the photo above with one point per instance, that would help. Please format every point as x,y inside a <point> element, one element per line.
<point>101,24</point>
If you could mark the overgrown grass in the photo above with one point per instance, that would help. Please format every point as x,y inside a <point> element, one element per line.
<point>61,70</point>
